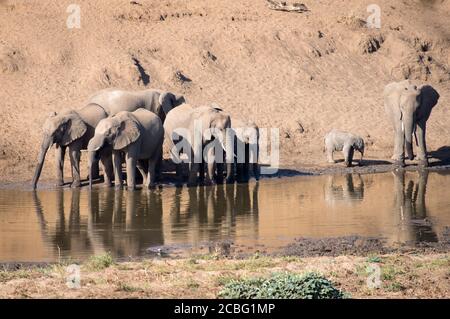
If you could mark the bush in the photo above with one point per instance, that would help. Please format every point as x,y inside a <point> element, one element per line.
<point>100,262</point>
<point>282,286</point>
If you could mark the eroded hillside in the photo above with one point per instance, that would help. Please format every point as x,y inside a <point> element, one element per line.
<point>304,73</point>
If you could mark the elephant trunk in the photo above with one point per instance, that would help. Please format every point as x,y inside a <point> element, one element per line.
<point>91,163</point>
<point>47,141</point>
<point>408,131</point>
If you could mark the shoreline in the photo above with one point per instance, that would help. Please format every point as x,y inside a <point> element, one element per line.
<point>290,170</point>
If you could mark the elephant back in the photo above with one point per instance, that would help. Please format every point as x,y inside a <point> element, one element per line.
<point>92,113</point>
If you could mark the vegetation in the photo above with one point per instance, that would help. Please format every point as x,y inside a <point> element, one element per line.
<point>100,262</point>
<point>282,286</point>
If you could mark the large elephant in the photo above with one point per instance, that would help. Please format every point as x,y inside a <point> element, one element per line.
<point>197,129</point>
<point>245,136</point>
<point>116,100</point>
<point>409,108</point>
<point>139,135</point>
<point>72,129</point>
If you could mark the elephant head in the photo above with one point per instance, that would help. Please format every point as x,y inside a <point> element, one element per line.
<point>116,132</point>
<point>358,145</point>
<point>167,102</point>
<point>60,129</point>
<point>214,120</point>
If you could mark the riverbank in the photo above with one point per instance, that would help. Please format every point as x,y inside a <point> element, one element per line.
<point>412,275</point>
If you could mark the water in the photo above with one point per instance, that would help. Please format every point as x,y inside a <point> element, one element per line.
<point>47,225</point>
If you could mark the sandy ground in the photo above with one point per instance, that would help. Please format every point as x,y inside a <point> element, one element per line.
<point>304,73</point>
<point>401,276</point>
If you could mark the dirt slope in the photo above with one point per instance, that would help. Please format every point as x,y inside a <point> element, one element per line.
<point>304,73</point>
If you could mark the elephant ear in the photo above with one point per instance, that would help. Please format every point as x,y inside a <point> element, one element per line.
<point>75,128</point>
<point>128,133</point>
<point>428,98</point>
<point>168,101</point>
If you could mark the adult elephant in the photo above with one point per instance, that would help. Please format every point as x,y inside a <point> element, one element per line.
<point>158,101</point>
<point>74,129</point>
<point>138,135</point>
<point>409,107</point>
<point>70,129</point>
<point>245,136</point>
<point>197,131</point>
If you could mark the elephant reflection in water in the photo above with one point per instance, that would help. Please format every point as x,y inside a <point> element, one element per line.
<point>212,213</point>
<point>409,201</point>
<point>343,188</point>
<point>67,236</point>
<point>125,223</point>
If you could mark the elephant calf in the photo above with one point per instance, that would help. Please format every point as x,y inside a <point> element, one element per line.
<point>139,136</point>
<point>346,142</point>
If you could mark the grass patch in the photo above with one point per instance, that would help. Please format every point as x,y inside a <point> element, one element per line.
<point>282,286</point>
<point>100,262</point>
<point>374,259</point>
<point>395,287</point>
<point>389,272</point>
<point>7,275</point>
<point>254,263</point>
<point>122,286</point>
<point>192,284</point>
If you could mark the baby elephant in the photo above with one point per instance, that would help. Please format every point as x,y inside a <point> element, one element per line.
<point>138,135</point>
<point>346,142</point>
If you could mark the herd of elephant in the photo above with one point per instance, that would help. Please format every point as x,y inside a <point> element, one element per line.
<point>119,126</point>
<point>408,108</point>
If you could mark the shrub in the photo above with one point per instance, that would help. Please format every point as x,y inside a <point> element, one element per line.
<point>100,262</point>
<point>282,286</point>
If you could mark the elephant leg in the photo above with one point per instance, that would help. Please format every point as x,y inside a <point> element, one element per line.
<point>399,146</point>
<point>151,177</point>
<point>348,155</point>
<point>153,167</point>
<point>107,164</point>
<point>60,154</point>
<point>143,171</point>
<point>118,178</point>
<point>256,171</point>
<point>230,173</point>
<point>329,151</point>
<point>211,166</point>
<point>220,168</point>
<point>193,170</point>
<point>240,172</point>
<point>75,154</point>
<point>131,171</point>
<point>201,172</point>
<point>159,166</point>
<point>422,149</point>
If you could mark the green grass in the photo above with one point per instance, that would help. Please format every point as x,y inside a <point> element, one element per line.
<point>122,286</point>
<point>100,262</point>
<point>282,286</point>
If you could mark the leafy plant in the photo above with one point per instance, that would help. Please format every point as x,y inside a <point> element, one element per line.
<point>282,286</point>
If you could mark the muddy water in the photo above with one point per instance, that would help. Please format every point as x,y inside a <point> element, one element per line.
<point>48,225</point>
